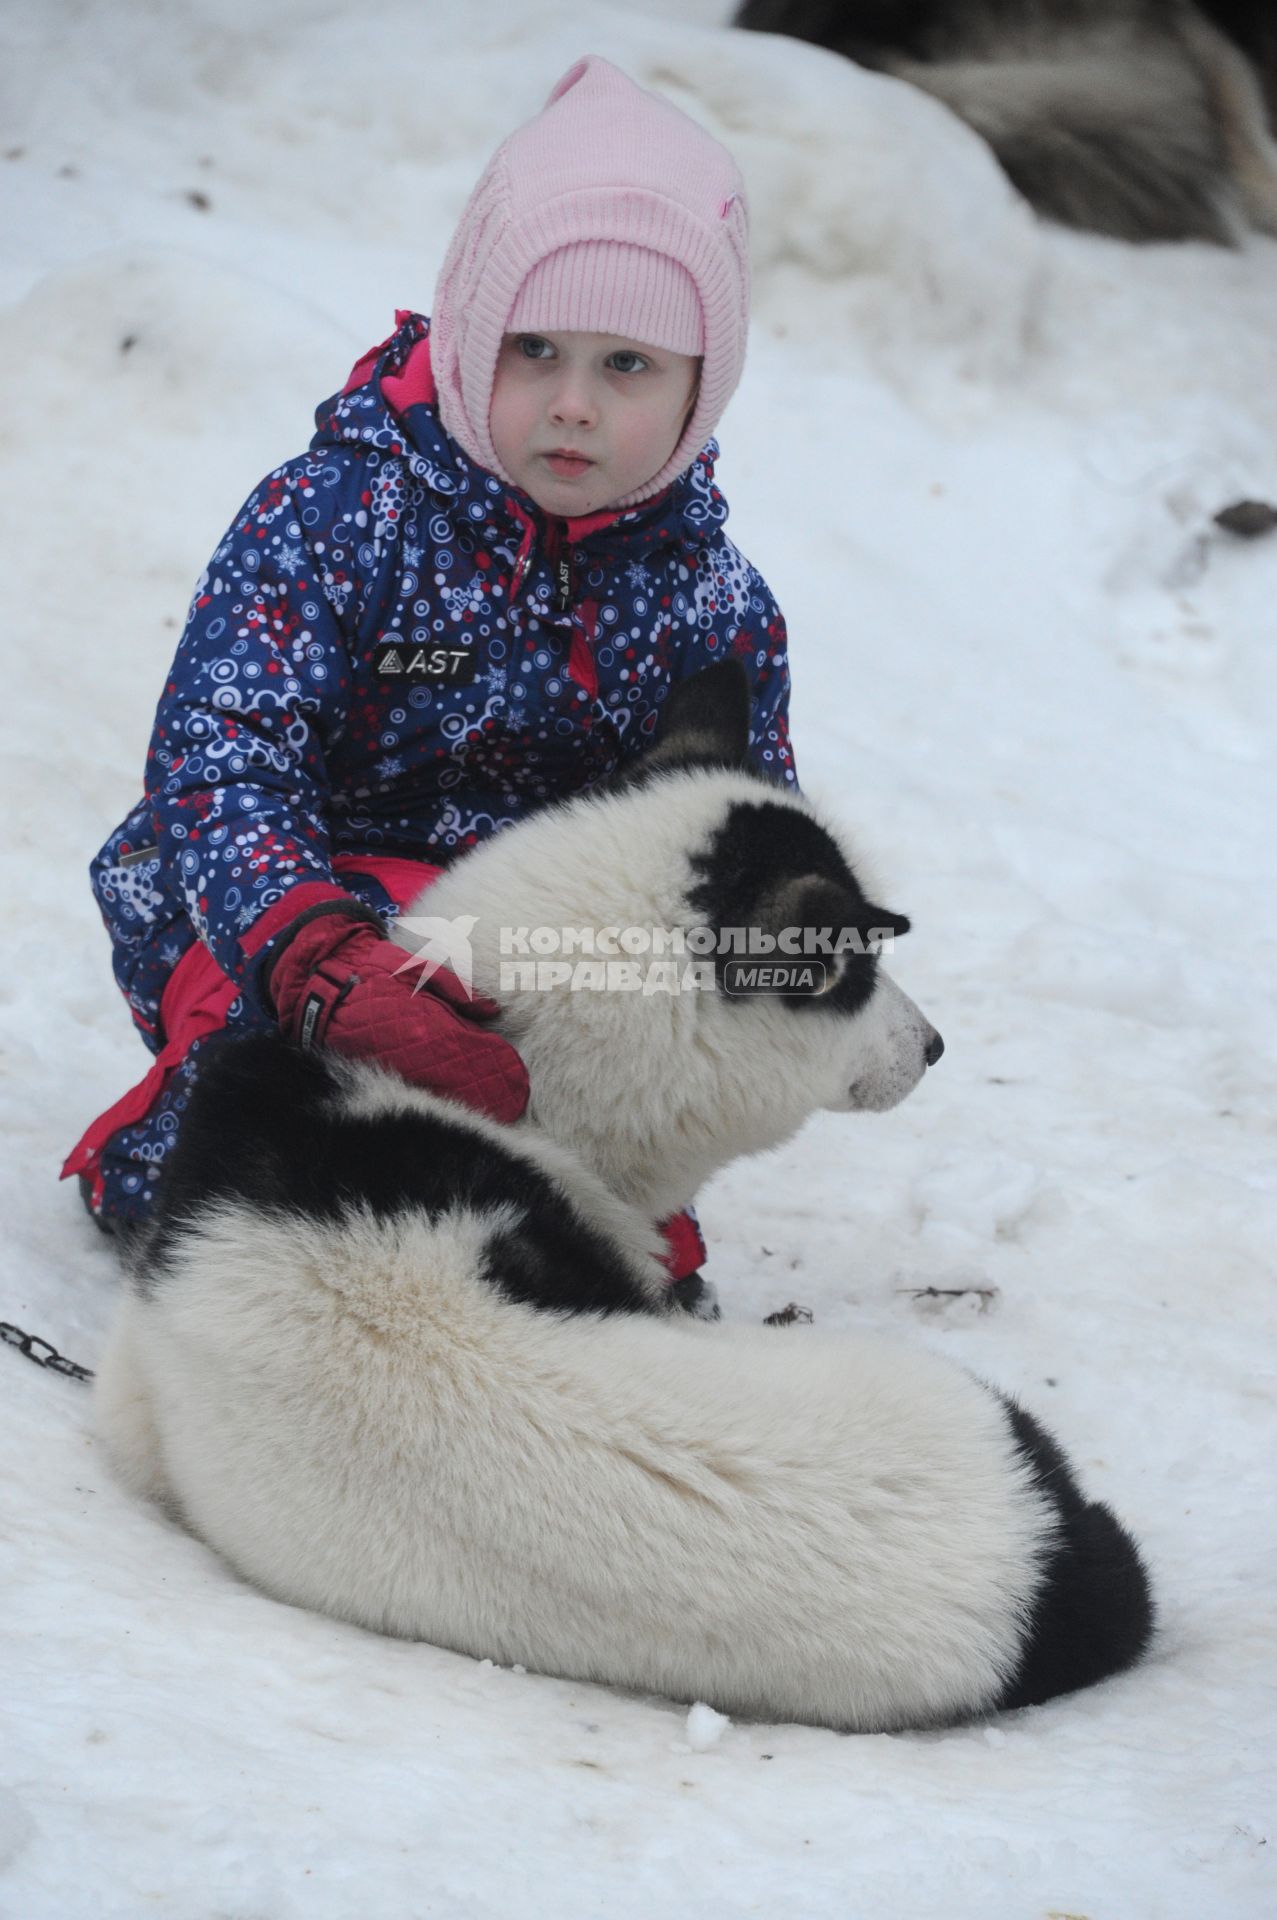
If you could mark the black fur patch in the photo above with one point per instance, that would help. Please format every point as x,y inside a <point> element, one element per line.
<point>864,30</point>
<point>750,876</point>
<point>1094,1614</point>
<point>265,1128</point>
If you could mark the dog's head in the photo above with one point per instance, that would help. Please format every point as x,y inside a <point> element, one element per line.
<point>686,959</point>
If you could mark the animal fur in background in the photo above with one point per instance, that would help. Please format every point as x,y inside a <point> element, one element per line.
<point>403,1365</point>
<point>1141,119</point>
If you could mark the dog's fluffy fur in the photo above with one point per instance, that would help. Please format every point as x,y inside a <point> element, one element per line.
<point>1143,119</point>
<point>408,1367</point>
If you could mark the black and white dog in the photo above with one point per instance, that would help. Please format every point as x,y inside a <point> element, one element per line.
<point>1143,119</point>
<point>405,1366</point>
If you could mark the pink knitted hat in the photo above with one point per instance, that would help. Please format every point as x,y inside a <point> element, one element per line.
<point>610,212</point>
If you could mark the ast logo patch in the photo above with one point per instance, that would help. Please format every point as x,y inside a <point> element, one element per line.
<point>405,660</point>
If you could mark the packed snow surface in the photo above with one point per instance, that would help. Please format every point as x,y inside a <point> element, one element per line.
<point>978,460</point>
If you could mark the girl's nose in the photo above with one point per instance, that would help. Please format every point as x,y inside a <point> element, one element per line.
<point>573,403</point>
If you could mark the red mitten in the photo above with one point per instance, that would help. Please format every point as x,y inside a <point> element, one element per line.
<point>338,982</point>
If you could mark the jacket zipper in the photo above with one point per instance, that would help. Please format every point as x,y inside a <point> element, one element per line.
<point>581,664</point>
<point>559,555</point>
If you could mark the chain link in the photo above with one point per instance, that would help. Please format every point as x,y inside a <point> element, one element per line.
<point>42,1353</point>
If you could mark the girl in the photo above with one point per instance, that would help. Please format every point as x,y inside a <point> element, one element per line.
<point>469,598</point>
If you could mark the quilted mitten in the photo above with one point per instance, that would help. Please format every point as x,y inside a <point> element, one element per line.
<point>336,981</point>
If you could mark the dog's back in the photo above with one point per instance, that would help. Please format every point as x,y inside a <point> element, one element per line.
<point>1141,119</point>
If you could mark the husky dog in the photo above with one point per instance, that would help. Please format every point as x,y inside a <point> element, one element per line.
<point>1143,119</point>
<point>406,1366</point>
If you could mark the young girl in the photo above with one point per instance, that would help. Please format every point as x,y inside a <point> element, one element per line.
<point>469,598</point>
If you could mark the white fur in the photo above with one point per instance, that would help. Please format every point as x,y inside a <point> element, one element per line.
<point>781,1523</point>
<point>657,1092</point>
<point>799,1527</point>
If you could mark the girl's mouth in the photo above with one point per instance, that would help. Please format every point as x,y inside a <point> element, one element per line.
<point>567,465</point>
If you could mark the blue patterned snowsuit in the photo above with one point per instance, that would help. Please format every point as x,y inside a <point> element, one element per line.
<point>300,720</point>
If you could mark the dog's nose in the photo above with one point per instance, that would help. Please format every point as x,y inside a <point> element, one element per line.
<point>935,1047</point>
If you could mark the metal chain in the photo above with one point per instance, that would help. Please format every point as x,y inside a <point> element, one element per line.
<point>42,1353</point>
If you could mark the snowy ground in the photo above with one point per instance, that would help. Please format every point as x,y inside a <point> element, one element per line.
<point>978,462</point>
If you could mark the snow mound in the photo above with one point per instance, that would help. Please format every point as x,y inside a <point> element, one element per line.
<point>979,462</point>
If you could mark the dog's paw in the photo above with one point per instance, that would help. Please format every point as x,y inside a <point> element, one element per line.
<point>697,1297</point>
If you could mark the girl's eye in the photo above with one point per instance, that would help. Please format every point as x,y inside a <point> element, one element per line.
<point>533,347</point>
<point>626,362</point>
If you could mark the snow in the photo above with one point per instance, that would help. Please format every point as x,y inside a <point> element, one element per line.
<point>705,1727</point>
<point>978,461</point>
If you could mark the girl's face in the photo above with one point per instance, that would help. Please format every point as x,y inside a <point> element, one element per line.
<point>580,420</point>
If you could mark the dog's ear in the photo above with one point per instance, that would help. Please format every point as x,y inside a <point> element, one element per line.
<point>896,924</point>
<point>814,904</point>
<point>704,723</point>
<point>707,716</point>
<point>813,900</point>
<point>817,918</point>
